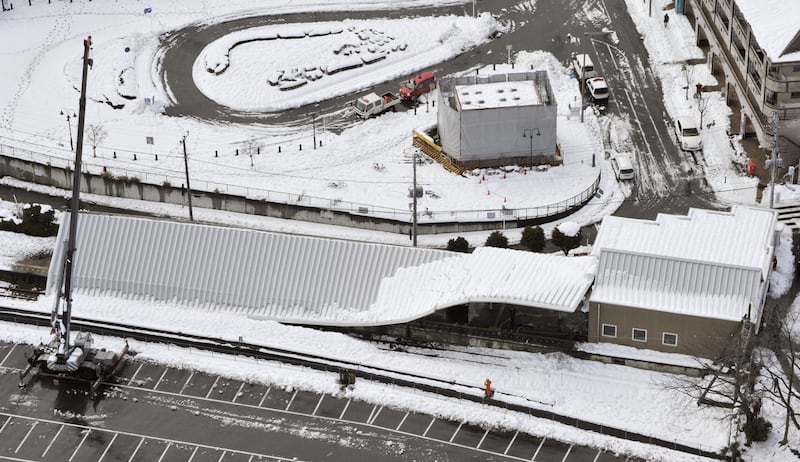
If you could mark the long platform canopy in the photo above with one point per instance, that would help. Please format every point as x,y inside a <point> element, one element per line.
<point>305,280</point>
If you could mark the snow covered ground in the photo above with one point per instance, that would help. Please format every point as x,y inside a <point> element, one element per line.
<point>43,70</point>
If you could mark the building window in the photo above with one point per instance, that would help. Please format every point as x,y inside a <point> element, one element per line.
<point>669,339</point>
<point>609,330</point>
<point>639,335</point>
<point>795,94</point>
<point>770,97</point>
<point>795,68</point>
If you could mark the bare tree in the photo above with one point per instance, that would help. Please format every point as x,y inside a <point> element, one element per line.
<point>702,106</point>
<point>779,373</point>
<point>250,148</point>
<point>688,74</point>
<point>96,134</point>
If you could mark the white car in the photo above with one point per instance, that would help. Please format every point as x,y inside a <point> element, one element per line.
<point>583,66</point>
<point>688,134</point>
<point>623,167</point>
<point>597,89</point>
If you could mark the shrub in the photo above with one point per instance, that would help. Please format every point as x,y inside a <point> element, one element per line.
<point>533,239</point>
<point>458,244</point>
<point>757,429</point>
<point>34,222</point>
<point>497,239</point>
<point>564,242</point>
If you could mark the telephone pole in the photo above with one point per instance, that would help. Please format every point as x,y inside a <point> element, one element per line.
<point>774,160</point>
<point>186,166</point>
<point>414,210</point>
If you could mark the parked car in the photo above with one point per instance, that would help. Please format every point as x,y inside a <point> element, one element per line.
<point>623,167</point>
<point>597,89</point>
<point>419,85</point>
<point>688,134</point>
<point>583,66</point>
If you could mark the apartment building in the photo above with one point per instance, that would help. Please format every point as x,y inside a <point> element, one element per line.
<point>753,48</point>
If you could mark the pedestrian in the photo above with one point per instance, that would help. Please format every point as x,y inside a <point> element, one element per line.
<point>666,19</point>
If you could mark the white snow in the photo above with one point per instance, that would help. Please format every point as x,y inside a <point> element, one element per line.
<point>44,70</point>
<point>774,23</point>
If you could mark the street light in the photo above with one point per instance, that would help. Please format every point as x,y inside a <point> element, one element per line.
<point>528,133</point>
<point>69,114</point>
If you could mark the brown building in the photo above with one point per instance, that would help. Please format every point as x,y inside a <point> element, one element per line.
<point>681,284</point>
<point>753,48</point>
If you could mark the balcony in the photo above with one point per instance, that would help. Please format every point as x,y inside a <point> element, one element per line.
<point>780,83</point>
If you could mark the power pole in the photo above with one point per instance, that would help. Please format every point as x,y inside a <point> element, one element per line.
<point>414,209</point>
<point>581,77</point>
<point>186,166</point>
<point>774,160</point>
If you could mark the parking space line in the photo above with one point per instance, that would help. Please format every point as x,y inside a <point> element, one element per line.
<point>137,449</point>
<point>569,449</point>
<point>161,378</point>
<point>238,392</point>
<point>193,453</point>
<point>265,396</point>
<point>291,401</point>
<point>318,403</point>
<point>250,459</point>
<point>341,416</point>
<point>186,382</point>
<point>538,449</point>
<point>372,411</point>
<point>164,452</point>
<point>52,441</point>
<point>26,437</point>
<point>4,425</point>
<point>133,377</point>
<point>402,421</point>
<point>483,438</point>
<point>213,386</point>
<point>375,416</point>
<point>79,445</point>
<point>513,438</point>
<point>433,419</point>
<point>597,456</point>
<point>7,354</point>
<point>113,438</point>
<point>456,432</point>
<point>222,456</point>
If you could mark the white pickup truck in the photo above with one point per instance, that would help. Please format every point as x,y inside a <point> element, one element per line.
<point>372,104</point>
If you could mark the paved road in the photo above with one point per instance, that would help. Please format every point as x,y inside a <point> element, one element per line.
<point>160,413</point>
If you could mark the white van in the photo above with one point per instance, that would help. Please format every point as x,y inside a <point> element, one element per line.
<point>623,167</point>
<point>583,66</point>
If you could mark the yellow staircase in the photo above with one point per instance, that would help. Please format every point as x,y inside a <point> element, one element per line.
<point>434,151</point>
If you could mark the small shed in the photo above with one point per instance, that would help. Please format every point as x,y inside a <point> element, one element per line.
<point>498,119</point>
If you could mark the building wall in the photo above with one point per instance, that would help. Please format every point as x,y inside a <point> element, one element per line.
<point>696,335</point>
<point>763,88</point>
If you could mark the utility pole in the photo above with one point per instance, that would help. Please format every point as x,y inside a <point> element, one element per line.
<point>414,208</point>
<point>188,187</point>
<point>774,160</point>
<point>583,74</point>
<point>314,127</point>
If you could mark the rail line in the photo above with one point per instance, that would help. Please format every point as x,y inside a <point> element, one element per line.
<point>377,374</point>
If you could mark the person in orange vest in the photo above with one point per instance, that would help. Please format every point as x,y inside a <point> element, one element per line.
<point>488,384</point>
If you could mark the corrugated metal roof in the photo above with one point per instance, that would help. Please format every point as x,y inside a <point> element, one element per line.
<point>302,279</point>
<point>710,264</point>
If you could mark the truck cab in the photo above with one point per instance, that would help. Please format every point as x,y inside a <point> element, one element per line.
<point>419,85</point>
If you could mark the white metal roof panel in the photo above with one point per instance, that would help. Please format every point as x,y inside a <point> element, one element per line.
<point>305,280</point>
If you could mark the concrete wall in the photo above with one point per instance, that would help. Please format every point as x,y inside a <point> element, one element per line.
<point>696,335</point>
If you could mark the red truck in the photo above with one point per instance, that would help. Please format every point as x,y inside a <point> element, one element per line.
<point>419,85</point>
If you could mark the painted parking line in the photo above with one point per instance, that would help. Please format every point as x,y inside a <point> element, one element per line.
<point>514,438</point>
<point>107,448</point>
<point>160,378</point>
<point>4,425</point>
<point>482,438</point>
<point>341,416</point>
<point>137,448</point>
<point>375,416</point>
<point>25,437</point>
<point>238,392</point>
<point>193,453</point>
<point>188,379</point>
<point>8,354</point>
<point>52,441</point>
<point>569,449</point>
<point>222,456</point>
<point>318,403</point>
<point>456,432</point>
<point>402,421</point>
<point>78,447</point>
<point>538,449</point>
<point>133,377</point>
<point>265,396</point>
<point>433,419</point>
<point>212,387</point>
<point>164,453</point>
<point>290,401</point>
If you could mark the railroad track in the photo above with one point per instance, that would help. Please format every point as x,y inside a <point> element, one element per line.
<point>377,374</point>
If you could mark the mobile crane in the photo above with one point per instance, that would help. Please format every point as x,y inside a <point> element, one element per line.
<point>64,356</point>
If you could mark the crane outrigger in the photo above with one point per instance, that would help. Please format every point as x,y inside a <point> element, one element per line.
<point>64,356</point>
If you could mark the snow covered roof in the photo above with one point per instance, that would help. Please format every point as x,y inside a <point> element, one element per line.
<point>306,280</point>
<point>776,25</point>
<point>708,263</point>
<point>498,94</point>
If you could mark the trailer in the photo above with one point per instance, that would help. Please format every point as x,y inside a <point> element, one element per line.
<point>64,356</point>
<point>372,104</point>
